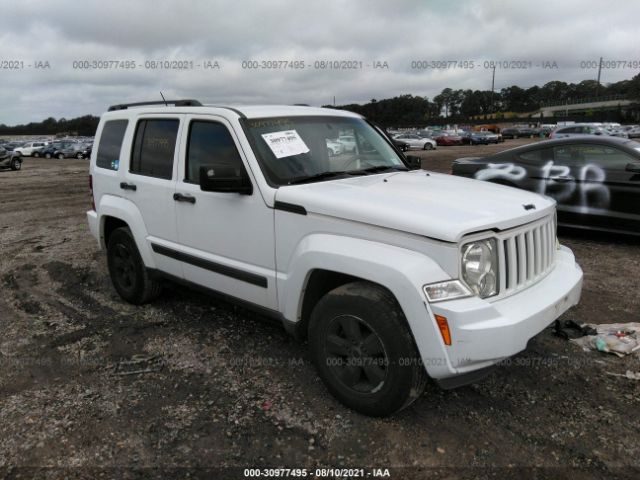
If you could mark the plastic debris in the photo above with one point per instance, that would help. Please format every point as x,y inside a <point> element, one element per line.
<point>617,338</point>
<point>629,374</point>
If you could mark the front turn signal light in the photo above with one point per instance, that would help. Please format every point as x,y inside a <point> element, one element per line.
<point>443,325</point>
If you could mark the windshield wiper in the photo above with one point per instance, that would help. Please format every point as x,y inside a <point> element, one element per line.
<point>323,176</point>
<point>382,168</point>
<point>327,175</point>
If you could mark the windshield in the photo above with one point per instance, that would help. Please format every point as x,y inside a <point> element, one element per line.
<point>293,149</point>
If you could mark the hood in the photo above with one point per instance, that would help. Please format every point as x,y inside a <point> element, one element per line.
<point>435,205</point>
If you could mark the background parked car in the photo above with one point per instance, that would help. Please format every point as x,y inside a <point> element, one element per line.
<point>334,148</point>
<point>50,150</point>
<point>84,150</point>
<point>401,144</point>
<point>70,150</point>
<point>11,146</point>
<point>510,133</point>
<point>632,131</point>
<point>448,139</point>
<point>578,129</point>
<point>594,179</point>
<point>416,141</point>
<point>9,160</point>
<point>479,138</point>
<point>28,148</point>
<point>348,143</point>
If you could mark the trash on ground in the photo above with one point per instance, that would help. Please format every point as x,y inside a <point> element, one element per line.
<point>570,329</point>
<point>629,374</point>
<point>618,338</point>
<point>139,364</point>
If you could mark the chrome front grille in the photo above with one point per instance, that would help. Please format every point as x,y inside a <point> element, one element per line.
<point>526,255</point>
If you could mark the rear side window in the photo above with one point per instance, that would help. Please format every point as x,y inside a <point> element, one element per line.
<point>209,143</point>
<point>110,144</point>
<point>153,148</point>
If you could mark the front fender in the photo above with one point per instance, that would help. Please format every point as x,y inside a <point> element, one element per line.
<point>403,272</point>
<point>126,210</point>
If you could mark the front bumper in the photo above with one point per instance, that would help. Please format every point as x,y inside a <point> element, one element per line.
<point>484,332</point>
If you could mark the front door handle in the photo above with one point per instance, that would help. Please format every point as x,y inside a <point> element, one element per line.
<point>128,186</point>
<point>179,197</point>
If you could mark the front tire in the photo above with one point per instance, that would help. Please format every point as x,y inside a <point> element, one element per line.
<point>128,273</point>
<point>16,164</point>
<point>427,146</point>
<point>61,156</point>
<point>363,350</point>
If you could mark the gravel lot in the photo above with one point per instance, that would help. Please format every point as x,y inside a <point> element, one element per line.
<point>90,385</point>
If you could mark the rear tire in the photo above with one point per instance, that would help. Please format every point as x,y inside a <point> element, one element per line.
<point>128,273</point>
<point>16,164</point>
<point>363,350</point>
<point>35,154</point>
<point>48,155</point>
<point>428,146</point>
<point>61,156</point>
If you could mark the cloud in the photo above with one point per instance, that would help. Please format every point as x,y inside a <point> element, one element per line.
<point>360,31</point>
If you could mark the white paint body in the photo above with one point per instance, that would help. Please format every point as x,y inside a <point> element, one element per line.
<point>401,230</point>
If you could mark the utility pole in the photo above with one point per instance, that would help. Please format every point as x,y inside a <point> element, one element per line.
<point>493,85</point>
<point>599,72</point>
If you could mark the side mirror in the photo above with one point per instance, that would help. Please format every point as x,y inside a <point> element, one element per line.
<point>415,163</point>
<point>633,167</point>
<point>225,179</point>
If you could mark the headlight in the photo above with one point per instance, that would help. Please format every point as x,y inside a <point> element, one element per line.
<point>480,267</point>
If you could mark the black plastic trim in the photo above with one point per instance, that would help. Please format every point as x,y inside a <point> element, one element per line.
<point>290,207</point>
<point>234,110</point>
<point>465,378</point>
<point>259,309</point>
<point>236,273</point>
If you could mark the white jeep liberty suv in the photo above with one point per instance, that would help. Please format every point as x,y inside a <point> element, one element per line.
<point>392,274</point>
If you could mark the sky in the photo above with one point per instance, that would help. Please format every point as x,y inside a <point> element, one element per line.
<point>54,54</point>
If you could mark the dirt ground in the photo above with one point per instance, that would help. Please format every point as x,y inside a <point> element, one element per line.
<point>189,386</point>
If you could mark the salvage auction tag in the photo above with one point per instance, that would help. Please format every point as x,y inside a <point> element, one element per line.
<point>285,144</point>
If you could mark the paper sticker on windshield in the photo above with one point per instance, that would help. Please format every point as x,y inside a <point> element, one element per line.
<point>285,144</point>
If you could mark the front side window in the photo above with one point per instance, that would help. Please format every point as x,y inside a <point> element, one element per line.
<point>154,147</point>
<point>209,143</point>
<point>292,149</point>
<point>110,144</point>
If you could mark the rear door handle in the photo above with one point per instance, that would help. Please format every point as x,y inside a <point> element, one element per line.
<point>128,186</point>
<point>561,178</point>
<point>179,197</point>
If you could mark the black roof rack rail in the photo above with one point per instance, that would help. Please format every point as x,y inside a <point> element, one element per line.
<point>176,103</point>
<point>234,110</point>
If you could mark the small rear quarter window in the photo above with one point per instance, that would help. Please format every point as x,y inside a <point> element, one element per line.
<point>108,155</point>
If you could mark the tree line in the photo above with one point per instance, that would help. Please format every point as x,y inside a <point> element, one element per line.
<point>452,105</point>
<point>457,105</point>
<point>85,126</point>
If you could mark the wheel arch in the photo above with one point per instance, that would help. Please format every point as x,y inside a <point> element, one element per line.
<point>323,262</point>
<point>118,212</point>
